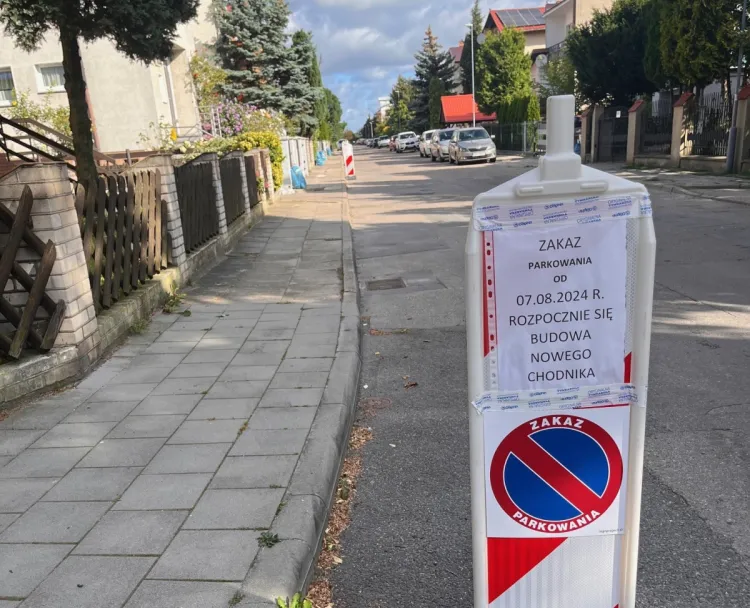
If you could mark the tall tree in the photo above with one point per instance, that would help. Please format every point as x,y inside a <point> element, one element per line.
<point>301,96</point>
<point>252,46</point>
<point>608,54</point>
<point>334,114</point>
<point>503,70</point>
<point>559,76</point>
<point>320,108</point>
<point>142,30</point>
<point>477,27</point>
<point>432,62</point>
<point>437,90</point>
<point>400,116</point>
<point>698,40</point>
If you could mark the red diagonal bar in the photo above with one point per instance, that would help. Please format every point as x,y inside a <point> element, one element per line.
<point>558,477</point>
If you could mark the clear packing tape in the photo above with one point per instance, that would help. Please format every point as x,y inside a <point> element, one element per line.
<point>583,210</point>
<point>578,397</point>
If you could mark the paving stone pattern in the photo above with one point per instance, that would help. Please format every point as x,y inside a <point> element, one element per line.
<point>149,483</point>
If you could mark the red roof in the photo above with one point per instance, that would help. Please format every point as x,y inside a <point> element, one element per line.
<point>457,108</point>
<point>456,52</point>
<point>526,19</point>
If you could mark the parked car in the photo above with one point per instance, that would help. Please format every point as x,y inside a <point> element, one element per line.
<point>439,144</point>
<point>424,143</point>
<point>383,141</point>
<point>407,141</point>
<point>392,143</point>
<point>470,145</point>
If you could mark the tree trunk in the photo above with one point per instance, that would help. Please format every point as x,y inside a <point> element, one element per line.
<point>80,122</point>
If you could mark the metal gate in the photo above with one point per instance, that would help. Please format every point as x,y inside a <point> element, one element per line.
<point>612,135</point>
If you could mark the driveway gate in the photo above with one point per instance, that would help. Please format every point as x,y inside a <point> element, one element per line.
<point>612,138</point>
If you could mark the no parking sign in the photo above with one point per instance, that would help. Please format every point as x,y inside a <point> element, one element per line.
<point>559,289</point>
<point>557,474</point>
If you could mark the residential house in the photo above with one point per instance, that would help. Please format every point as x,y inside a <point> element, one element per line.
<point>384,105</point>
<point>457,110</point>
<point>530,21</point>
<point>126,98</point>
<point>562,16</point>
<point>456,52</point>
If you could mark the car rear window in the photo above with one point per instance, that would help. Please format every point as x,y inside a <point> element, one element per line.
<point>446,134</point>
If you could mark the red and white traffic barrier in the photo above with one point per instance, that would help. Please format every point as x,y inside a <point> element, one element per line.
<point>348,152</point>
<point>559,292</point>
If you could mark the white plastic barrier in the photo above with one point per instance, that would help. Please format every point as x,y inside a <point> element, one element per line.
<point>559,288</point>
<point>286,165</point>
<point>347,152</point>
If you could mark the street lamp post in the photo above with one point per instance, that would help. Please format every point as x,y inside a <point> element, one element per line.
<point>740,69</point>
<point>398,108</point>
<point>473,90</point>
<point>480,39</point>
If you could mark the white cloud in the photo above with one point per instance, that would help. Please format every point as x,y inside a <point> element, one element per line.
<point>365,44</point>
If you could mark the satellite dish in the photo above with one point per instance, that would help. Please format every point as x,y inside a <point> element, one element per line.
<point>481,38</point>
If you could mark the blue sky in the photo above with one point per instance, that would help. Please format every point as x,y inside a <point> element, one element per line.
<point>366,44</point>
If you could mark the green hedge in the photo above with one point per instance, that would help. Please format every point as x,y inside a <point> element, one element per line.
<point>519,109</point>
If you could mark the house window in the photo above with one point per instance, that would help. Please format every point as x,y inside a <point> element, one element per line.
<point>50,78</point>
<point>6,86</point>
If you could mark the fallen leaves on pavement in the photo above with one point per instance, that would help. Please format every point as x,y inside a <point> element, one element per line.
<point>320,592</point>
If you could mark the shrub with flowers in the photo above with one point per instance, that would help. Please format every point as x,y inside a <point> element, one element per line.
<point>243,142</point>
<point>233,118</point>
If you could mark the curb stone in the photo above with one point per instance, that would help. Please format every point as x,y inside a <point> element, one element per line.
<point>288,567</point>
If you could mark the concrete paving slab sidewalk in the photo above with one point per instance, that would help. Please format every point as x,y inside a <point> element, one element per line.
<point>152,481</point>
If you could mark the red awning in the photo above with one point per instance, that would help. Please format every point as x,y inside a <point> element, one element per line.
<point>457,108</point>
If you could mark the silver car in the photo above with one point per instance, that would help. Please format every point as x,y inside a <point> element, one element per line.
<point>471,145</point>
<point>424,143</point>
<point>439,144</point>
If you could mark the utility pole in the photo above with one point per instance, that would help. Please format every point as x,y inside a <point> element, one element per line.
<point>740,71</point>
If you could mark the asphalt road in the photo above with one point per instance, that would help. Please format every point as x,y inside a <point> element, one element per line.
<point>409,542</point>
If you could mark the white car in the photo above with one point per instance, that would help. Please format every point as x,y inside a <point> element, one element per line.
<point>439,145</point>
<point>406,141</point>
<point>384,141</point>
<point>424,143</point>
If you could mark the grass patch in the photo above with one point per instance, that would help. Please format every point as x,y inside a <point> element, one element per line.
<point>267,539</point>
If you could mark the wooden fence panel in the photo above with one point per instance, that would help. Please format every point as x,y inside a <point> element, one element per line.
<point>26,330</point>
<point>197,199</point>
<point>123,230</point>
<point>231,185</point>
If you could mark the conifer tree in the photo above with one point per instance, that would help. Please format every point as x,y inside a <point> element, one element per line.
<point>252,47</point>
<point>432,62</point>
<point>478,25</point>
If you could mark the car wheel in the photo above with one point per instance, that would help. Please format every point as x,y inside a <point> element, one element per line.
<point>493,160</point>
<point>432,158</point>
<point>442,158</point>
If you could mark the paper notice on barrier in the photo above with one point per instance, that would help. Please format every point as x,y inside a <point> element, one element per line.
<point>560,305</point>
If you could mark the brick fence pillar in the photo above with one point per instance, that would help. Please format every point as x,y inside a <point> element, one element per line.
<point>585,133</point>
<point>268,172</point>
<point>53,218</point>
<point>164,163</point>
<point>743,128</point>
<point>596,114</point>
<point>635,119</point>
<point>678,128</point>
